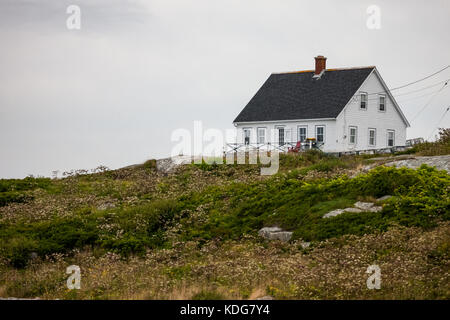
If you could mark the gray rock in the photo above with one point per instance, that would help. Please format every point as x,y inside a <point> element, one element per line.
<point>337,212</point>
<point>375,209</point>
<point>275,233</point>
<point>333,213</point>
<point>439,162</point>
<point>365,206</point>
<point>106,206</point>
<point>354,210</point>
<point>168,164</point>
<point>384,198</point>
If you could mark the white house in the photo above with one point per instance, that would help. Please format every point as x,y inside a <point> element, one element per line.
<point>346,109</point>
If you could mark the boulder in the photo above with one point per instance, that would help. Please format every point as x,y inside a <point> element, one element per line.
<point>355,210</point>
<point>375,209</point>
<point>333,213</point>
<point>364,206</point>
<point>106,206</point>
<point>383,198</point>
<point>439,162</point>
<point>275,233</point>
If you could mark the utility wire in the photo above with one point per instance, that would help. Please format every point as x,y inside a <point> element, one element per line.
<point>424,88</point>
<point>414,91</point>
<point>418,97</point>
<point>408,84</point>
<point>440,120</point>
<point>411,83</point>
<point>429,101</point>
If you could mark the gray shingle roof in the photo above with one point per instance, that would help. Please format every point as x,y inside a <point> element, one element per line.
<point>296,95</point>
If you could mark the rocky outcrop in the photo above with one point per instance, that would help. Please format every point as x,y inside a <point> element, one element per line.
<point>412,162</point>
<point>439,162</point>
<point>275,233</point>
<point>359,207</point>
<point>168,164</point>
<point>106,206</point>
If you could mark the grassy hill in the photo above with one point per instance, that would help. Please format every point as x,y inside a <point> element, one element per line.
<point>192,233</point>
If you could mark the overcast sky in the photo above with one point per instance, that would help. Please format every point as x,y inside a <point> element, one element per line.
<point>112,92</point>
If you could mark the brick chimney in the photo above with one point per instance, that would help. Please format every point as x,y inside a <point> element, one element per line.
<point>321,63</point>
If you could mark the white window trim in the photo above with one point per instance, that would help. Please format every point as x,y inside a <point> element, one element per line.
<point>258,136</point>
<point>298,132</point>
<point>374,137</point>
<point>367,100</point>
<point>379,102</point>
<point>387,138</point>
<point>350,136</point>
<point>324,131</point>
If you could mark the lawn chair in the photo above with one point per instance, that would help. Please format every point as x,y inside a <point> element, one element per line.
<point>297,147</point>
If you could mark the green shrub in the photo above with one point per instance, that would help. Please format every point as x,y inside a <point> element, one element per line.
<point>150,164</point>
<point>17,190</point>
<point>232,210</point>
<point>18,250</point>
<point>140,227</point>
<point>421,200</point>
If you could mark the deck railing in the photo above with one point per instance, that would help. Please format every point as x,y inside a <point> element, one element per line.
<point>269,146</point>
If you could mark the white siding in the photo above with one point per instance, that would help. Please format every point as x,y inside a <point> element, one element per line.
<point>271,135</point>
<point>352,115</point>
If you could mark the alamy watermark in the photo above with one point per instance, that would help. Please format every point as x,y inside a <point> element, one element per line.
<point>374,280</point>
<point>374,20</point>
<point>74,280</point>
<point>209,146</point>
<point>73,22</point>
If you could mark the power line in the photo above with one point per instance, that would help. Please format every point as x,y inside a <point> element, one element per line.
<point>414,91</point>
<point>421,79</point>
<point>411,83</point>
<point>424,88</point>
<point>428,103</point>
<point>440,120</point>
<point>418,97</point>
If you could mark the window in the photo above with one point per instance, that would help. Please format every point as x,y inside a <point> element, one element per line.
<point>247,136</point>
<point>280,136</point>
<point>320,133</point>
<point>261,135</point>
<point>372,137</point>
<point>301,134</point>
<point>391,138</point>
<point>382,105</point>
<point>363,100</point>
<point>353,135</point>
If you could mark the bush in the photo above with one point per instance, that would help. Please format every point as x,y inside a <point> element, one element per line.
<point>129,231</point>
<point>16,190</point>
<point>440,147</point>
<point>150,164</point>
<point>18,250</point>
<point>421,200</point>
